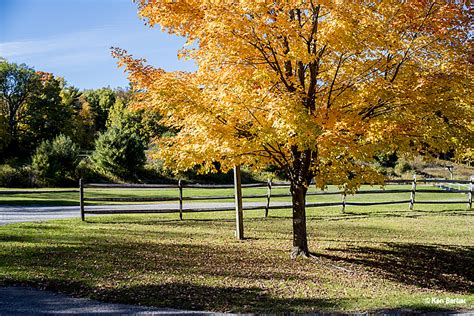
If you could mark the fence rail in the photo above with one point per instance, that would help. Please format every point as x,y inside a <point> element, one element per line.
<point>5,192</point>
<point>268,196</point>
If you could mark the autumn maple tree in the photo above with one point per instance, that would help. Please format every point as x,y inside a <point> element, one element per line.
<point>316,88</point>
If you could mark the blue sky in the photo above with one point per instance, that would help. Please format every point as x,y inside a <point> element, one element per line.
<point>71,38</point>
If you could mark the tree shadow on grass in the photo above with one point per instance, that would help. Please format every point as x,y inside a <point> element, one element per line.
<point>155,221</point>
<point>7,238</point>
<point>435,267</point>
<point>193,297</point>
<point>217,298</point>
<point>335,217</point>
<point>388,214</point>
<point>38,202</point>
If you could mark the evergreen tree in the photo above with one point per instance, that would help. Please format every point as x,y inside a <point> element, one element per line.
<point>119,153</point>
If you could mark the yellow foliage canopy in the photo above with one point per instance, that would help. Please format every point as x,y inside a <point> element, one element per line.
<point>314,87</point>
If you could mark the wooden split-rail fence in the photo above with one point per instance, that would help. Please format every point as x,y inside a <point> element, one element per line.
<point>181,186</point>
<point>443,186</point>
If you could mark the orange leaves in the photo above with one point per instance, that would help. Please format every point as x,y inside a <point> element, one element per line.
<point>342,79</point>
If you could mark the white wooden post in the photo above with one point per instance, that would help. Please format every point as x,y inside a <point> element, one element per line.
<point>451,171</point>
<point>344,196</point>
<point>239,232</point>
<point>471,180</point>
<point>180,186</point>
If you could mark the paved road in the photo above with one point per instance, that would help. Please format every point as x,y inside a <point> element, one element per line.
<point>17,213</point>
<point>28,301</point>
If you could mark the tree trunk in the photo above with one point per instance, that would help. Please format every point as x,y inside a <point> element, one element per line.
<point>300,240</point>
<point>12,147</point>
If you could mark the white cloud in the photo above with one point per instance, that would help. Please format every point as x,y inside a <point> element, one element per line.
<point>74,41</point>
<point>86,54</point>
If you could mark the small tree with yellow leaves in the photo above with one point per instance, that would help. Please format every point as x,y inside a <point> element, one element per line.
<point>313,87</point>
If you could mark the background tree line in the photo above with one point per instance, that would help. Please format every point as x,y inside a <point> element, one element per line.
<point>52,133</point>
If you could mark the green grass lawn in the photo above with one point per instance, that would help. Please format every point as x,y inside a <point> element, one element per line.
<point>367,259</point>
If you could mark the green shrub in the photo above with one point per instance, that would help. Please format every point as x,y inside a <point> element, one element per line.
<point>153,172</point>
<point>85,170</point>
<point>20,177</point>
<point>7,173</point>
<point>119,153</point>
<point>402,167</point>
<point>54,162</point>
<point>386,159</point>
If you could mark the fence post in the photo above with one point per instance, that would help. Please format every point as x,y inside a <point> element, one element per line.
<point>344,195</point>
<point>269,195</point>
<point>81,199</point>
<point>180,186</point>
<point>238,204</point>
<point>412,194</point>
<point>471,179</point>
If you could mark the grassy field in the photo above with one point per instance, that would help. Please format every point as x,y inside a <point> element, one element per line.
<point>369,258</point>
